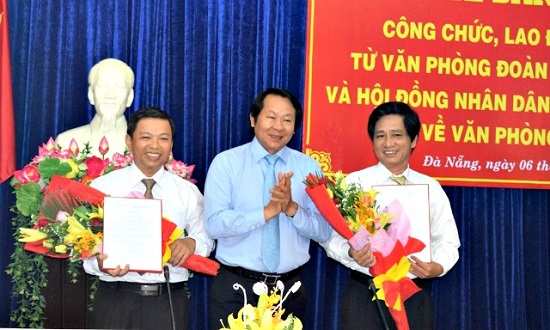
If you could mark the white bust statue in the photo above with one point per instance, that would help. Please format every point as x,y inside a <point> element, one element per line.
<point>110,91</point>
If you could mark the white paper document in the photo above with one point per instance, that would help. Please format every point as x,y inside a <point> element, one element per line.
<point>132,233</point>
<point>416,203</point>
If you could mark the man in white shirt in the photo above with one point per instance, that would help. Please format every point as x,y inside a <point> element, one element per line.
<point>393,128</point>
<point>127,299</point>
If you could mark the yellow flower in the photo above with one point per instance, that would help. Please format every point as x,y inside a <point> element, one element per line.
<point>339,177</point>
<point>266,320</point>
<point>266,302</point>
<point>96,215</point>
<point>75,227</point>
<point>385,218</point>
<point>82,239</point>
<point>247,315</point>
<point>370,197</point>
<point>48,243</point>
<point>31,235</point>
<point>61,248</point>
<point>262,317</point>
<point>74,169</point>
<point>294,321</point>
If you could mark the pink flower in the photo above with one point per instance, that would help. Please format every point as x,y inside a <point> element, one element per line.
<point>29,173</point>
<point>46,150</point>
<point>120,161</point>
<point>63,154</point>
<point>50,150</point>
<point>73,147</point>
<point>103,146</point>
<point>180,168</point>
<point>96,166</point>
<point>61,216</point>
<point>50,146</point>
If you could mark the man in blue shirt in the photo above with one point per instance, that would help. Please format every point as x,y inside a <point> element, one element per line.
<point>238,217</point>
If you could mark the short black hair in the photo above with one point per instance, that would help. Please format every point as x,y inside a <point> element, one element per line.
<point>150,112</point>
<point>411,121</point>
<point>258,104</point>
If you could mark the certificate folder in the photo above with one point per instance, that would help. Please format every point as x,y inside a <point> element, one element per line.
<point>132,234</point>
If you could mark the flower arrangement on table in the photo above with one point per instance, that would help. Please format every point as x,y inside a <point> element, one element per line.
<point>355,215</point>
<point>58,215</point>
<point>268,315</point>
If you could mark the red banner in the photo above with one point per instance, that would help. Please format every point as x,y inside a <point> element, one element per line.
<point>476,71</point>
<point>7,125</point>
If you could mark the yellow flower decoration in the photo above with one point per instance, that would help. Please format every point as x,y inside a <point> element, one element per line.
<point>74,169</point>
<point>31,235</point>
<point>267,315</point>
<point>82,239</point>
<point>96,215</point>
<point>62,248</point>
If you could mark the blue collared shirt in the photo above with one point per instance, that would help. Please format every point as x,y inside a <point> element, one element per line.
<point>234,208</point>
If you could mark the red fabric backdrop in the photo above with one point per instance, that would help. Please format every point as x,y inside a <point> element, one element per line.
<point>476,72</point>
<point>7,126</point>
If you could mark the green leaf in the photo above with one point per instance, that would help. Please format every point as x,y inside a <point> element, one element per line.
<point>50,166</point>
<point>28,198</point>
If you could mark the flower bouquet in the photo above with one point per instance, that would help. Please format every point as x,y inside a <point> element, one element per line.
<point>268,315</point>
<point>78,235</point>
<point>58,215</point>
<point>355,215</point>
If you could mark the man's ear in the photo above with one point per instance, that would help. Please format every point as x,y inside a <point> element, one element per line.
<point>91,95</point>
<point>413,143</point>
<point>129,142</point>
<point>130,98</point>
<point>252,121</point>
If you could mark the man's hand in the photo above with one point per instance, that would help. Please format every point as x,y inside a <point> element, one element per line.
<point>363,257</point>
<point>181,249</point>
<point>118,271</point>
<point>425,269</point>
<point>282,194</point>
<point>281,198</point>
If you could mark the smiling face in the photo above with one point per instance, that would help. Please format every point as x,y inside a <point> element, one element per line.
<point>392,144</point>
<point>274,125</point>
<point>151,144</point>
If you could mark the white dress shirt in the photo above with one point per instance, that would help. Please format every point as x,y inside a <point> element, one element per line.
<point>182,203</point>
<point>444,234</point>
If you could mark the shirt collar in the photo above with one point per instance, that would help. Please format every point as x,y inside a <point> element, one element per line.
<point>258,152</point>
<point>386,173</point>
<point>136,175</point>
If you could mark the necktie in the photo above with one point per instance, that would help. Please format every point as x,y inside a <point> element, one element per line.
<point>149,183</point>
<point>399,179</point>
<point>270,234</point>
